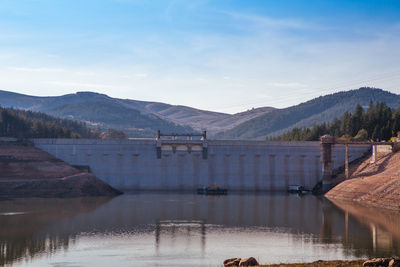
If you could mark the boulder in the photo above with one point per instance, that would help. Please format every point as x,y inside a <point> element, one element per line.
<point>248,262</point>
<point>377,262</point>
<point>394,263</point>
<point>233,262</point>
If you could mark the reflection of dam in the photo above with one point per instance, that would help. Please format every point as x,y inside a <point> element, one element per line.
<point>197,222</point>
<point>152,164</point>
<point>173,226</point>
<point>383,225</point>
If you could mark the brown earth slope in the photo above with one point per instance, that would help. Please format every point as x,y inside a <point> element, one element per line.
<point>375,184</point>
<point>26,171</point>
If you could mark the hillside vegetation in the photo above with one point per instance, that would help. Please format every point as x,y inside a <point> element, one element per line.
<point>378,122</point>
<point>316,111</point>
<point>28,124</point>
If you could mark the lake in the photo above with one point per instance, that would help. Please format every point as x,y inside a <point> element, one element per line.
<point>161,229</point>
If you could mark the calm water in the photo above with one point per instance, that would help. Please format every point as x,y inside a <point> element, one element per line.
<point>190,230</point>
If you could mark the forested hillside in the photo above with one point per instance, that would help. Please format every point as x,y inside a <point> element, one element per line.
<point>305,115</point>
<point>28,124</point>
<point>378,122</point>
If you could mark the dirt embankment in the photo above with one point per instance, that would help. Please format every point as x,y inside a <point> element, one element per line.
<point>375,184</point>
<point>26,171</point>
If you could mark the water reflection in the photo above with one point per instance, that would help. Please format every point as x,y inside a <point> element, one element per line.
<point>174,227</point>
<point>159,228</point>
<point>383,228</point>
<point>26,225</point>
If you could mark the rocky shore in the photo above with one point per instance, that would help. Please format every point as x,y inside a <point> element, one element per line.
<point>376,262</point>
<point>26,171</point>
<point>356,263</point>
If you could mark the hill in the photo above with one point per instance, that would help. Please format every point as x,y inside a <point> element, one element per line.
<point>137,118</point>
<point>213,122</point>
<point>96,110</point>
<point>318,110</point>
<point>106,115</point>
<point>29,124</point>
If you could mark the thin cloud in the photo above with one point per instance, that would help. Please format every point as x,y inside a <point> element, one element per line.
<point>141,75</point>
<point>44,69</point>
<point>134,75</point>
<point>84,85</point>
<point>271,23</point>
<point>291,85</point>
<point>86,73</point>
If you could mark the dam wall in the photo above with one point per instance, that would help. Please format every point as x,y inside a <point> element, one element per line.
<point>183,165</point>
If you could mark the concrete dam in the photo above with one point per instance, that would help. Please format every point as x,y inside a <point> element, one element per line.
<point>184,165</point>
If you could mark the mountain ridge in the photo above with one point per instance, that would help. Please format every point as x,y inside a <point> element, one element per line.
<point>306,114</point>
<point>142,118</point>
<point>166,117</point>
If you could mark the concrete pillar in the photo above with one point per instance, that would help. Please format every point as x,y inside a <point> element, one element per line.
<point>374,153</point>
<point>256,171</point>
<point>227,170</point>
<point>158,148</point>
<point>346,225</point>
<point>286,164</point>
<point>211,169</point>
<point>346,162</point>
<point>327,142</point>
<point>205,150</point>
<point>272,170</point>
<point>242,171</point>
<point>196,170</point>
<point>181,165</point>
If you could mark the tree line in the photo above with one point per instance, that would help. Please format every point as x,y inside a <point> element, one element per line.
<point>379,122</point>
<point>28,124</point>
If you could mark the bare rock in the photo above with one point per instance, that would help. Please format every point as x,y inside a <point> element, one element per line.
<point>377,262</point>
<point>248,262</point>
<point>233,262</point>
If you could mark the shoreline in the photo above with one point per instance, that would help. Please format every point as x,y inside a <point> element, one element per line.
<point>384,262</point>
<point>320,263</point>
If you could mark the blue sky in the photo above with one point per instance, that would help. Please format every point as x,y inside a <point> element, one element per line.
<point>222,55</point>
